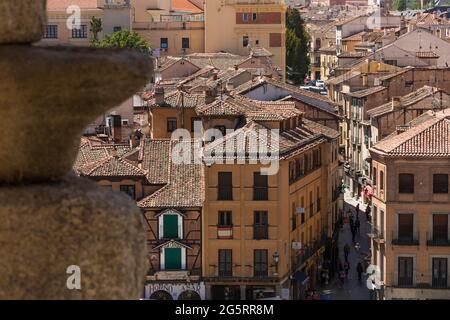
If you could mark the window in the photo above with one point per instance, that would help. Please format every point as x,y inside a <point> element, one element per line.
<point>51,32</point>
<point>405,227</point>
<point>129,190</point>
<point>172,259</point>
<point>374,177</point>
<point>405,271</point>
<point>260,225</point>
<point>254,16</point>
<point>245,17</point>
<point>381,180</point>
<point>80,33</point>
<point>225,263</point>
<point>171,124</point>
<point>294,218</point>
<point>117,29</point>
<point>257,42</point>
<point>260,186</point>
<point>303,218</point>
<point>225,186</point>
<point>275,40</point>
<point>440,228</point>
<point>439,273</point>
<point>405,183</point>
<point>245,41</point>
<point>260,263</point>
<point>440,183</point>
<point>193,122</point>
<point>185,43</point>
<point>225,219</point>
<point>164,43</point>
<point>170,226</point>
<point>318,199</point>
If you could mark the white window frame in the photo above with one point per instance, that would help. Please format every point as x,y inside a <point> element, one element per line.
<point>162,258</point>
<point>161,223</point>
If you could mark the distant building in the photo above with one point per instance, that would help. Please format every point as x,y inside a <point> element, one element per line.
<point>115,15</point>
<point>410,214</point>
<point>238,26</point>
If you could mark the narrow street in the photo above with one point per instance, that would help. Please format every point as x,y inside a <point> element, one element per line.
<point>352,289</point>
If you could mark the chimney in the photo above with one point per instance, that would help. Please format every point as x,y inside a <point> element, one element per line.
<point>395,102</point>
<point>210,95</point>
<point>159,95</point>
<point>116,127</point>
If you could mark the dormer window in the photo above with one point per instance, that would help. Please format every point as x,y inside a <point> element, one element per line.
<point>170,223</point>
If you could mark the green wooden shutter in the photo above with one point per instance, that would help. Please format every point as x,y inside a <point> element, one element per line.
<point>172,258</point>
<point>170,226</point>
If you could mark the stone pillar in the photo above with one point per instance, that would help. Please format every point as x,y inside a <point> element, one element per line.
<point>61,237</point>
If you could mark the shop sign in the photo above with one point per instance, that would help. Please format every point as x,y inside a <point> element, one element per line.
<point>175,289</point>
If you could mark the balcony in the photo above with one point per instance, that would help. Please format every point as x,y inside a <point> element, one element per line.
<point>260,231</point>
<point>308,251</point>
<point>260,193</point>
<point>376,234</point>
<point>419,280</point>
<point>409,240</point>
<point>225,193</point>
<point>434,241</point>
<point>224,232</point>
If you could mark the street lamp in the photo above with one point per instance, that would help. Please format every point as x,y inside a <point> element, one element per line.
<point>276,259</point>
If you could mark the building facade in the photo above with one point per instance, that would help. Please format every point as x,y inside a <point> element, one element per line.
<point>237,26</point>
<point>410,213</point>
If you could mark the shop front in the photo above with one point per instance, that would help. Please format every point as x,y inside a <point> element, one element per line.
<point>175,291</point>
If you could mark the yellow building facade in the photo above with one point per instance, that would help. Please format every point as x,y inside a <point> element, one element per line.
<point>236,26</point>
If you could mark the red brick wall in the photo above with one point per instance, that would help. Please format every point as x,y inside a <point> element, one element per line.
<point>261,18</point>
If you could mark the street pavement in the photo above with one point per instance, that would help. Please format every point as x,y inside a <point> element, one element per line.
<point>352,289</point>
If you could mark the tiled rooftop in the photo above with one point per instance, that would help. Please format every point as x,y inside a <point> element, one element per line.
<point>428,136</point>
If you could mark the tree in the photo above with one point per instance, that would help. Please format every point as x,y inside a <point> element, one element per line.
<point>399,5</point>
<point>96,27</point>
<point>124,39</point>
<point>297,40</point>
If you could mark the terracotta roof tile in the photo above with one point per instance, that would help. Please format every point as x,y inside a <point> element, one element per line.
<point>185,184</point>
<point>427,138</point>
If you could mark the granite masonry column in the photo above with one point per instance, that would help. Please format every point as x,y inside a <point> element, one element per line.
<point>58,231</point>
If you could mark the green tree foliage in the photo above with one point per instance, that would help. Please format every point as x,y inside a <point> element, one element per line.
<point>399,5</point>
<point>297,40</point>
<point>414,5</point>
<point>125,39</point>
<point>96,27</point>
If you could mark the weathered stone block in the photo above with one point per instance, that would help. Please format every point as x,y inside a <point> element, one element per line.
<point>49,95</point>
<point>44,228</point>
<point>22,21</point>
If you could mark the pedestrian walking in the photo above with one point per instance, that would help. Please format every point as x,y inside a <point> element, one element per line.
<point>342,277</point>
<point>357,226</point>
<point>346,268</point>
<point>353,230</point>
<point>346,251</point>
<point>359,270</point>
<point>357,210</point>
<point>368,213</point>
